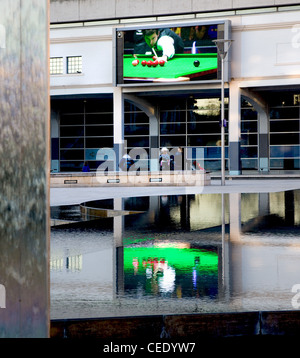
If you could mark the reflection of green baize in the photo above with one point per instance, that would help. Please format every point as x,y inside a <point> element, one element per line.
<point>180,65</point>
<point>181,259</point>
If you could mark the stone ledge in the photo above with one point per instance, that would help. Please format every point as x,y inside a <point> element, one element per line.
<point>172,178</point>
<point>190,326</point>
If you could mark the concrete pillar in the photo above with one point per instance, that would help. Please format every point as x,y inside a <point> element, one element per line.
<point>118,251</point>
<point>263,141</point>
<point>24,169</point>
<point>264,204</point>
<point>235,216</point>
<point>118,125</point>
<point>225,267</point>
<point>54,130</point>
<point>154,143</point>
<point>234,129</point>
<point>153,115</point>
<point>235,248</point>
<point>118,222</point>
<point>261,107</point>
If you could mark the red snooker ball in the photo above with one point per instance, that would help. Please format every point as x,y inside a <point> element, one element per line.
<point>155,63</point>
<point>144,63</point>
<point>161,62</point>
<point>149,63</point>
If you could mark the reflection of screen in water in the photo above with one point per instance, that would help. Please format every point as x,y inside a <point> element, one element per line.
<point>170,271</point>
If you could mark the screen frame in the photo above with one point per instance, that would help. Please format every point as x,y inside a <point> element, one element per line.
<point>118,49</point>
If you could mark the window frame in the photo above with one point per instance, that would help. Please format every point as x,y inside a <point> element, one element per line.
<point>74,68</point>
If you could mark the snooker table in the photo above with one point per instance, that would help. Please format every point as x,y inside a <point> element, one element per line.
<point>179,68</point>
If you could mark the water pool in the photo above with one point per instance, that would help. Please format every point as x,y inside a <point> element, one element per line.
<point>178,254</point>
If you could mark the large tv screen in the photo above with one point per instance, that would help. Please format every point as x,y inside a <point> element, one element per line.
<point>159,55</point>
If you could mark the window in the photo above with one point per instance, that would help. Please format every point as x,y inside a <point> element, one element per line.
<point>56,65</point>
<point>249,136</point>
<point>74,64</point>
<point>193,124</point>
<point>85,127</point>
<point>285,131</point>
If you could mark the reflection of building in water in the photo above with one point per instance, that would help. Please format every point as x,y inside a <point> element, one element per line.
<point>57,264</point>
<point>71,263</point>
<point>263,249</point>
<point>74,263</point>
<point>204,210</point>
<point>254,265</point>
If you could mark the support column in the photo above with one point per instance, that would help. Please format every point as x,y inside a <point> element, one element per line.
<point>151,112</point>
<point>118,250</point>
<point>263,140</point>
<point>154,143</point>
<point>235,216</point>
<point>235,248</point>
<point>264,204</point>
<point>54,141</point>
<point>261,108</point>
<point>234,129</point>
<point>225,253</point>
<point>118,126</point>
<point>24,169</point>
<point>118,222</point>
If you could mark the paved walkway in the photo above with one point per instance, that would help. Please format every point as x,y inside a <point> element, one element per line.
<point>73,196</point>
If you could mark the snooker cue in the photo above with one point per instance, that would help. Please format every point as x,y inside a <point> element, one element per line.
<point>154,52</point>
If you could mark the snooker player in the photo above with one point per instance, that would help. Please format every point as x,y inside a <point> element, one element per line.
<point>163,42</point>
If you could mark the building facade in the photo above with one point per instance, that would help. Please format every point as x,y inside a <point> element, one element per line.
<point>90,110</point>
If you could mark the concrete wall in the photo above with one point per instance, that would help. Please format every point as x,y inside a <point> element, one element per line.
<point>79,10</point>
<point>266,50</point>
<point>94,44</point>
<point>267,46</point>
